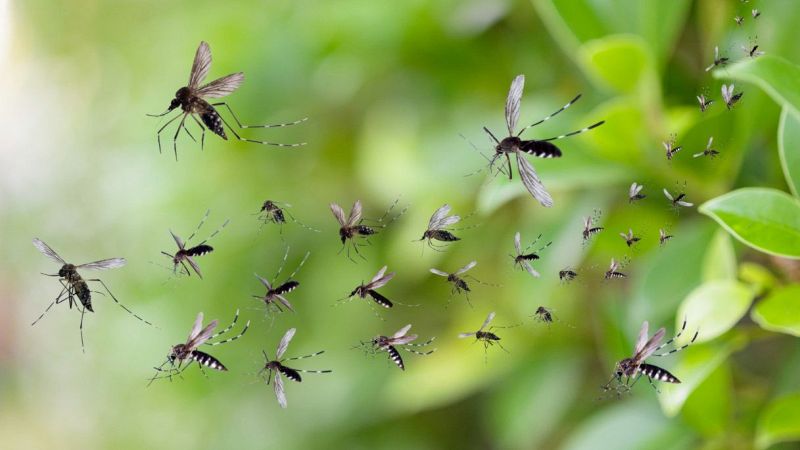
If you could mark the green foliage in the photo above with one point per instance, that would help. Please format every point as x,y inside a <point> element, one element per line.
<point>780,422</point>
<point>780,310</point>
<point>776,76</point>
<point>789,148</point>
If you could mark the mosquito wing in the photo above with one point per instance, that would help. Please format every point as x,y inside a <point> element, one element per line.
<point>668,195</point>
<point>285,302</point>
<point>613,266</point>
<point>532,182</point>
<point>401,332</point>
<point>264,282</point>
<point>380,279</point>
<point>513,101</point>
<point>47,251</point>
<point>279,392</point>
<point>465,335</point>
<point>178,240</point>
<point>697,155</point>
<point>650,346</point>
<point>200,66</point>
<point>467,267</point>
<point>517,244</point>
<point>402,340</point>
<point>284,343</point>
<point>338,212</point>
<point>198,325</point>
<point>222,86</point>
<point>438,216</point>
<point>486,322</point>
<point>194,265</point>
<point>104,264</point>
<point>727,91</point>
<point>379,275</point>
<point>203,335</point>
<point>685,204</point>
<point>530,269</point>
<point>355,214</point>
<point>440,273</point>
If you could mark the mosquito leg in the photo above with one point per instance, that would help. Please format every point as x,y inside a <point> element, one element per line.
<point>117,301</point>
<point>573,133</point>
<point>551,115</point>
<point>235,318</point>
<point>277,125</point>
<point>508,160</point>
<point>203,135</point>
<point>314,371</point>
<point>305,356</point>
<point>283,263</point>
<point>158,133</point>
<point>233,131</point>
<point>83,349</point>
<point>653,384</point>
<point>175,138</point>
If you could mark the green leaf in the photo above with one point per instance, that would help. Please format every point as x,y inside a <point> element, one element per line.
<point>713,308</point>
<point>709,408</point>
<point>780,311</point>
<point>779,78</point>
<point>617,61</point>
<point>767,220</point>
<point>720,259</point>
<point>789,149</point>
<point>780,422</point>
<point>758,277</point>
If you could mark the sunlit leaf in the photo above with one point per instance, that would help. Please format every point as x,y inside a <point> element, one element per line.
<point>789,148</point>
<point>709,408</point>
<point>720,259</point>
<point>780,310</point>
<point>780,422</point>
<point>757,276</point>
<point>619,61</point>
<point>713,308</point>
<point>776,76</point>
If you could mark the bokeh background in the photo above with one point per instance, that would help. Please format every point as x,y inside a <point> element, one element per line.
<point>389,87</point>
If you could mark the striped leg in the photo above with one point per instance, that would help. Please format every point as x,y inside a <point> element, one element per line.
<point>235,134</point>
<point>203,128</point>
<point>244,330</point>
<point>277,125</point>
<point>235,318</point>
<point>573,133</point>
<point>422,344</point>
<point>199,225</point>
<point>305,356</point>
<point>118,303</point>
<point>551,115</point>
<point>158,133</point>
<point>60,298</point>
<point>677,349</point>
<point>418,352</point>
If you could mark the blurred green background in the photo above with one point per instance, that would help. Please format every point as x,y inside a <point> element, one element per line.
<point>388,88</point>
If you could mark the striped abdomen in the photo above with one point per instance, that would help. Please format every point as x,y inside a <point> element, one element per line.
<point>199,250</point>
<point>540,149</point>
<point>441,235</point>
<point>289,286</point>
<point>290,373</point>
<point>380,299</point>
<point>394,355</point>
<point>213,121</point>
<point>207,360</point>
<point>657,373</point>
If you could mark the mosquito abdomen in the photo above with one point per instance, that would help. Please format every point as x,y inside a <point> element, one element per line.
<point>199,250</point>
<point>657,373</point>
<point>213,121</point>
<point>290,373</point>
<point>207,360</point>
<point>444,236</point>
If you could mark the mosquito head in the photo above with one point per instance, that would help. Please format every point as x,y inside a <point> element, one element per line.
<point>66,271</point>
<point>625,368</point>
<point>268,206</point>
<point>508,145</point>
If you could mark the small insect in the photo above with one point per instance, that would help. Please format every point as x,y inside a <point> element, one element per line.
<point>544,315</point>
<point>353,227</point>
<point>729,97</point>
<point>670,147</point>
<point>753,51</point>
<point>634,192</point>
<point>186,255</point>
<point>401,339</point>
<point>710,152</point>
<point>677,200</point>
<point>274,297</point>
<point>459,284</point>
<point>276,212</point>
<point>630,238</point>
<point>437,227</point>
<point>566,275</point>
<point>181,356</point>
<point>589,228</point>
<point>663,237</point>
<point>524,259</point>
<point>613,271</point>
<point>369,289</point>
<point>487,337</point>
<point>756,13</point>
<point>276,366</point>
<point>718,60</point>
<point>739,20</point>
<point>704,102</point>
<point>631,369</point>
<point>192,100</point>
<point>539,148</point>
<point>74,288</point>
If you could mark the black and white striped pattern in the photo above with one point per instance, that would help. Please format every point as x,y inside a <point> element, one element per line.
<point>207,360</point>
<point>657,373</point>
<point>394,355</point>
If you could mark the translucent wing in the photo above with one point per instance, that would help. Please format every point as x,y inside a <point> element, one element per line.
<point>650,346</point>
<point>438,216</point>
<point>530,269</point>
<point>338,213</point>
<point>726,93</point>
<point>47,251</point>
<point>513,101</point>
<point>667,194</point>
<point>284,343</point>
<point>486,322</point>
<point>200,66</point>
<point>379,275</point>
<point>380,279</point>
<point>404,339</point>
<point>465,335</point>
<point>440,273</point>
<point>104,264</point>
<point>686,204</point>
<point>517,244</point>
<point>279,392</point>
<point>710,141</point>
<point>203,335</point>
<point>222,86</point>
<point>401,332</point>
<point>532,182</point>
<point>263,281</point>
<point>194,265</point>
<point>285,302</point>
<point>613,265</point>
<point>467,267</point>
<point>177,239</point>
<point>697,155</point>
<point>642,339</point>
<point>355,213</point>
<point>635,189</point>
<point>198,324</point>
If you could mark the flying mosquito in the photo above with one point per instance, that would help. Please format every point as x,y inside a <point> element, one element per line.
<point>401,339</point>
<point>192,101</point>
<point>276,212</point>
<point>630,238</point>
<point>74,288</point>
<point>437,227</point>
<point>753,51</point>
<point>276,366</point>
<point>729,97</point>
<point>353,227</point>
<point>756,13</point>
<point>544,315</point>
<point>539,148</point>
<point>613,271</point>
<point>704,102</point>
<point>369,289</point>
<point>670,147</point>
<point>739,20</point>
<point>631,369</point>
<point>274,297</point>
<point>459,283</point>
<point>634,193</point>
<point>187,255</point>
<point>487,337</point>
<point>589,228</point>
<point>677,200</point>
<point>710,152</point>
<point>524,259</point>
<point>663,237</point>
<point>567,274</point>
<point>718,60</point>
<point>181,356</point>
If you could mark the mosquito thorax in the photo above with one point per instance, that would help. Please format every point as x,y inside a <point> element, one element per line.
<point>626,367</point>
<point>487,335</point>
<point>67,271</point>
<point>508,145</point>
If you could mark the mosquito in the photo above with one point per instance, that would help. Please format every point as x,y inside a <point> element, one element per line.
<point>353,227</point>
<point>704,102</point>
<point>710,152</point>
<point>631,369</point>
<point>718,60</point>
<point>539,148</point>
<point>401,339</point>
<point>192,101</point>
<point>634,193</point>
<point>187,255</point>
<point>459,283</point>
<point>74,288</point>
<point>630,238</point>
<point>567,274</point>
<point>753,51</point>
<point>729,97</point>
<point>671,149</point>
<point>613,271</point>
<point>276,212</point>
<point>369,289</point>
<point>524,259</point>
<point>739,20</point>
<point>544,315</point>
<point>275,292</point>
<point>486,337</point>
<point>181,356</point>
<point>756,13</point>
<point>663,237</point>
<point>678,199</point>
<point>276,366</point>
<point>437,227</point>
<point>589,228</point>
